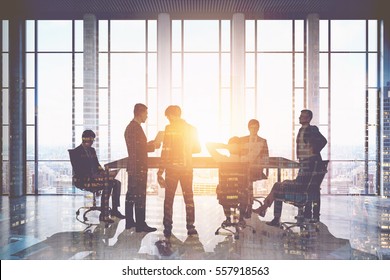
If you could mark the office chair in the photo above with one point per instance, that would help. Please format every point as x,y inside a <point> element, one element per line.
<point>311,195</point>
<point>85,184</point>
<point>235,195</point>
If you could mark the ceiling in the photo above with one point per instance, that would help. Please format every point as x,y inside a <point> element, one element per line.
<point>180,9</point>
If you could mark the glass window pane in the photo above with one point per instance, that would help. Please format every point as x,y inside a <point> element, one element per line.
<point>299,102</point>
<point>299,70</point>
<point>324,35</point>
<point>55,177</point>
<point>372,107</point>
<point>30,175</point>
<point>5,36</point>
<point>78,70</point>
<point>103,70</point>
<point>177,97</point>
<point>225,70</point>
<point>127,89</point>
<point>348,83</point>
<point>152,35</point>
<point>79,35</point>
<point>5,109</point>
<point>275,101</point>
<point>54,105</point>
<point>266,39</point>
<point>372,70</point>
<point>324,106</point>
<point>348,35</point>
<point>30,35</point>
<point>250,35</point>
<point>152,70</point>
<point>299,35</point>
<point>373,35</point>
<point>128,35</point>
<point>201,35</point>
<point>103,35</point>
<point>103,106</point>
<point>176,70</point>
<point>250,70</point>
<point>5,142</point>
<point>30,106</point>
<point>225,35</point>
<point>176,35</point>
<point>5,70</point>
<point>152,108</point>
<point>30,131</point>
<point>54,35</point>
<point>102,152</point>
<point>78,107</point>
<point>5,179</point>
<point>30,70</point>
<point>250,101</point>
<point>324,70</point>
<point>201,83</point>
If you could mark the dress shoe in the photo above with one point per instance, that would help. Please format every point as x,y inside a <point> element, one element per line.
<point>261,211</point>
<point>192,231</point>
<point>274,223</point>
<point>105,219</point>
<point>130,224</point>
<point>227,223</point>
<point>144,228</point>
<point>117,214</point>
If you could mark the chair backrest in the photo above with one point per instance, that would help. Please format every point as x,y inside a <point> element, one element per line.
<point>233,181</point>
<point>317,176</point>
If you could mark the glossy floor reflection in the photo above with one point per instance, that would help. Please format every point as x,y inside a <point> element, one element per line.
<point>45,227</point>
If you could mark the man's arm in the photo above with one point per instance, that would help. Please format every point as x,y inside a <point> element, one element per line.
<point>131,142</point>
<point>212,147</point>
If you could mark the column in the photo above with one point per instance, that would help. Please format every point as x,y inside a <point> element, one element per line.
<point>163,66</point>
<point>17,108</point>
<point>238,122</point>
<point>384,135</point>
<point>313,66</point>
<point>91,96</point>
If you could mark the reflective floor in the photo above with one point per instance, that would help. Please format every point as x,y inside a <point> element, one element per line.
<point>45,227</point>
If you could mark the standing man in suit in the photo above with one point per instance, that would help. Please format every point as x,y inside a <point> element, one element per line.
<point>88,173</point>
<point>137,169</point>
<point>310,142</point>
<point>180,142</point>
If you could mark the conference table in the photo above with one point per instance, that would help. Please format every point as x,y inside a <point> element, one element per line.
<point>278,163</point>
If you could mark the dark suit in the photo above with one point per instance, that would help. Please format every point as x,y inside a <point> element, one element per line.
<point>89,174</point>
<point>310,142</point>
<point>180,142</point>
<point>256,171</point>
<point>137,171</point>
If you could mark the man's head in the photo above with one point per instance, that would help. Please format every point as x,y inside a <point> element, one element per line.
<point>140,112</point>
<point>305,117</point>
<point>88,137</point>
<point>253,126</point>
<point>173,112</point>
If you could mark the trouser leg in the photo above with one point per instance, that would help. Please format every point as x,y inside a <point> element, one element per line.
<point>116,193</point>
<point>278,205</point>
<point>104,201</point>
<point>186,184</point>
<point>170,190</point>
<point>129,205</point>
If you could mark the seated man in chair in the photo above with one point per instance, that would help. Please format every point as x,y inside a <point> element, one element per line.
<point>310,142</point>
<point>89,174</point>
